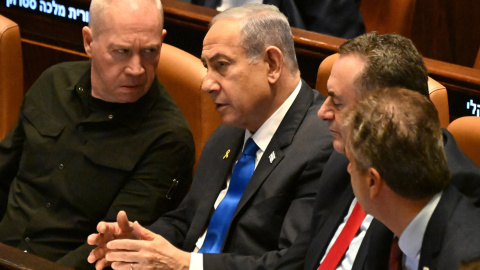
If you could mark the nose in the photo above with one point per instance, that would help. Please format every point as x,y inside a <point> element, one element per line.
<point>209,84</point>
<point>326,112</point>
<point>135,66</point>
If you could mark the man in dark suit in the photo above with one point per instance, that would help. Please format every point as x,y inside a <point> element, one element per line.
<point>368,62</point>
<point>254,80</point>
<point>340,18</point>
<point>409,190</point>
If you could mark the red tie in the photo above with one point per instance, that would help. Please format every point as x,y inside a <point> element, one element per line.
<point>396,255</point>
<point>336,252</point>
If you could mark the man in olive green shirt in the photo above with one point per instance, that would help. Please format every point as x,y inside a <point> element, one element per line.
<point>95,137</point>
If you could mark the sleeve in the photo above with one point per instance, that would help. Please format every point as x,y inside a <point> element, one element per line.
<point>294,258</point>
<point>151,190</point>
<point>159,182</point>
<point>11,149</point>
<point>196,261</point>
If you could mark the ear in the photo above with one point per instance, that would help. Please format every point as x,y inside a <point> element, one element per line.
<point>275,63</point>
<point>164,33</point>
<point>375,182</point>
<point>87,40</point>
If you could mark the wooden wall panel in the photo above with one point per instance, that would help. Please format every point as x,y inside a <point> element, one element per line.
<point>48,40</point>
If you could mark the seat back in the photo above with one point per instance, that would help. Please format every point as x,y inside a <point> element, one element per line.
<point>439,98</point>
<point>466,131</point>
<point>388,16</point>
<point>11,75</point>
<point>181,74</point>
<point>438,92</point>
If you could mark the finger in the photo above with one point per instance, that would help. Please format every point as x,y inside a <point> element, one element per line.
<point>122,256</point>
<point>142,232</point>
<point>125,244</point>
<point>123,223</point>
<point>96,254</point>
<point>102,227</point>
<point>121,265</point>
<point>99,239</point>
<point>102,264</point>
<point>92,239</point>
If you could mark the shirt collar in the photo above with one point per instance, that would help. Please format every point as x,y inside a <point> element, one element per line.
<point>410,242</point>
<point>128,114</point>
<point>265,133</point>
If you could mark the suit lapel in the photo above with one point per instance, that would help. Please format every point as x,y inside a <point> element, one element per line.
<point>374,252</point>
<point>435,231</point>
<point>282,138</point>
<point>231,142</point>
<point>324,233</point>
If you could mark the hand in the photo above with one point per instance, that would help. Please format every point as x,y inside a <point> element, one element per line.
<point>122,229</point>
<point>151,252</point>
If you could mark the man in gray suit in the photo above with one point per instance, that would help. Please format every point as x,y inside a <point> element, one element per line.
<point>254,80</point>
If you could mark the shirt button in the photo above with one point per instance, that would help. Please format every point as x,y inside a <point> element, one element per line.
<point>80,128</point>
<point>60,166</point>
<point>48,205</point>
<point>27,239</point>
<point>110,116</point>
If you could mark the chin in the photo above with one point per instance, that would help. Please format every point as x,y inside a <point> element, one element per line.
<point>339,146</point>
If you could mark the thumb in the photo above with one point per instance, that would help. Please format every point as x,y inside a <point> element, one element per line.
<point>143,233</point>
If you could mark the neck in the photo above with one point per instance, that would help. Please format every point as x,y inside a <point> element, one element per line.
<point>404,211</point>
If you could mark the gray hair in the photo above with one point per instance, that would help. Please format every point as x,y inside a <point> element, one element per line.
<point>263,26</point>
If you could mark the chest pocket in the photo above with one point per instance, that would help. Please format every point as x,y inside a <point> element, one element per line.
<point>42,132</point>
<point>44,123</point>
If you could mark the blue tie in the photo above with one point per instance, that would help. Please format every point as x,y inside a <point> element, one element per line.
<point>221,218</point>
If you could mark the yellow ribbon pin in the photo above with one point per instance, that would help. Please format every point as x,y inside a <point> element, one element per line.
<point>226,154</point>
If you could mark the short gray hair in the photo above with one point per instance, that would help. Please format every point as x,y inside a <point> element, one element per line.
<point>263,26</point>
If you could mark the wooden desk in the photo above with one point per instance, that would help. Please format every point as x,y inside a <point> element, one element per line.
<point>12,258</point>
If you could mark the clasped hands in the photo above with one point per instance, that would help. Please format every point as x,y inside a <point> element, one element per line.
<point>128,245</point>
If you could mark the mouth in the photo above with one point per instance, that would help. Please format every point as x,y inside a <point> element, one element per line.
<point>130,86</point>
<point>219,106</point>
<point>335,133</point>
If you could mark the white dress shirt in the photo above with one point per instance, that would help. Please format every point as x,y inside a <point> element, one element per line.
<point>410,242</point>
<point>262,138</point>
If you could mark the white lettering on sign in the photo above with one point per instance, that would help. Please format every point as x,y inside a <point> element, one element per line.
<point>52,8</point>
<point>474,107</point>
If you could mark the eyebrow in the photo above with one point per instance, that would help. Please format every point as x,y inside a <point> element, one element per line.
<point>125,45</point>
<point>331,93</point>
<point>216,57</point>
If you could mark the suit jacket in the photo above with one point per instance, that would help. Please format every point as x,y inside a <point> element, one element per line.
<point>278,200</point>
<point>452,235</point>
<point>341,18</point>
<point>334,198</point>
